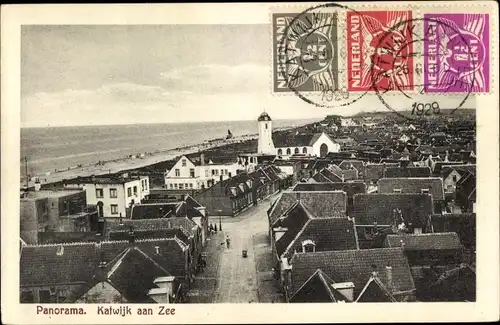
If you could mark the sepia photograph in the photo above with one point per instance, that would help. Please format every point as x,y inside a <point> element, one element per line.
<point>326,156</point>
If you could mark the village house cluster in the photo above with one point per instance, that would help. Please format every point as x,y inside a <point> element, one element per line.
<point>371,208</point>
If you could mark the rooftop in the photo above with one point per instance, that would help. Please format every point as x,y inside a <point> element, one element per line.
<point>42,194</point>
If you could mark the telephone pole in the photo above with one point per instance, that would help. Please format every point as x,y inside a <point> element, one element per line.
<point>26,172</point>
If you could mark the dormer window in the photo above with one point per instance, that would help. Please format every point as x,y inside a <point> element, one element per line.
<point>60,250</point>
<point>397,190</point>
<point>308,246</point>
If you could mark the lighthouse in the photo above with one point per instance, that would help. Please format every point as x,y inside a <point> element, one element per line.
<point>266,145</point>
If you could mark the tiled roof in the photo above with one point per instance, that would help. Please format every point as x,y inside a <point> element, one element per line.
<point>171,252</point>
<point>321,204</point>
<point>318,288</point>
<point>354,266</point>
<point>151,234</point>
<point>327,234</point>
<point>413,185</point>
<point>374,171</point>
<point>60,237</point>
<point>154,224</point>
<point>350,174</point>
<point>461,169</point>
<point>294,220</point>
<point>349,188</point>
<point>370,208</point>
<point>154,210</point>
<point>42,266</point>
<point>429,241</point>
<point>375,291</point>
<point>358,164</point>
<point>291,139</point>
<point>133,275</point>
<point>397,172</point>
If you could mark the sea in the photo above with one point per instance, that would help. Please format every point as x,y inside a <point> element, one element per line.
<point>49,148</point>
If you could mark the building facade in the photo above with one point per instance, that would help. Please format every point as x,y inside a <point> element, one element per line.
<point>187,174</point>
<point>113,195</point>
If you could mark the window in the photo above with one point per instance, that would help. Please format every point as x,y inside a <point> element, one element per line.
<point>397,190</point>
<point>304,150</point>
<point>226,172</point>
<point>177,172</point>
<point>424,191</point>
<point>181,186</point>
<point>171,185</point>
<point>135,190</point>
<point>206,172</point>
<point>146,184</point>
<point>296,150</point>
<point>191,172</point>
<point>454,177</point>
<point>186,185</point>
<point>184,163</point>
<point>280,152</point>
<point>114,208</point>
<point>288,151</point>
<point>113,193</point>
<point>175,185</point>
<point>129,192</point>
<point>222,171</point>
<point>266,126</point>
<point>99,193</point>
<point>142,185</point>
<point>190,185</point>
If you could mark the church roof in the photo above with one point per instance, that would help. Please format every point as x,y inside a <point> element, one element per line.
<point>264,117</point>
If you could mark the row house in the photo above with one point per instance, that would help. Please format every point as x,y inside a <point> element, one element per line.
<point>196,173</point>
<point>113,195</point>
<point>466,193</point>
<point>291,212</point>
<point>377,215</point>
<point>183,228</point>
<point>451,174</point>
<point>416,185</point>
<point>371,275</point>
<point>430,256</point>
<point>102,272</point>
<point>350,189</point>
<point>55,211</point>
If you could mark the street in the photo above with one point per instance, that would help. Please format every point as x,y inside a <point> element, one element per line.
<point>239,279</point>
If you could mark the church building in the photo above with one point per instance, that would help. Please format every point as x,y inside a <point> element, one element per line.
<point>295,143</point>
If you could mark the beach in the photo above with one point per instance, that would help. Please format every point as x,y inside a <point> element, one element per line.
<point>140,160</point>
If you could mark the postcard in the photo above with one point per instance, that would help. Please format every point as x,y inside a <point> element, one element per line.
<point>250,162</point>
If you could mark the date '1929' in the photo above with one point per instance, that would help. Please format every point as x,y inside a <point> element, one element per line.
<point>421,109</point>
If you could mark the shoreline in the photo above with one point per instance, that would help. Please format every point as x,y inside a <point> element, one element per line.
<point>140,160</point>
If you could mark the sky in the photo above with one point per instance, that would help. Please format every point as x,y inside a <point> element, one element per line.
<point>119,74</point>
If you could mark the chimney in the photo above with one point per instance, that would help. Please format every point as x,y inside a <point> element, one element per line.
<point>38,186</point>
<point>388,274</point>
<point>346,289</point>
<point>164,291</point>
<point>202,159</point>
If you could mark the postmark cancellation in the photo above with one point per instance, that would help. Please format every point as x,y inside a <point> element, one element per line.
<point>383,49</point>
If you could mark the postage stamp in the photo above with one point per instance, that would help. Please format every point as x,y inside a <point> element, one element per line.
<point>457,47</point>
<point>379,45</point>
<point>306,51</point>
<point>423,55</point>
